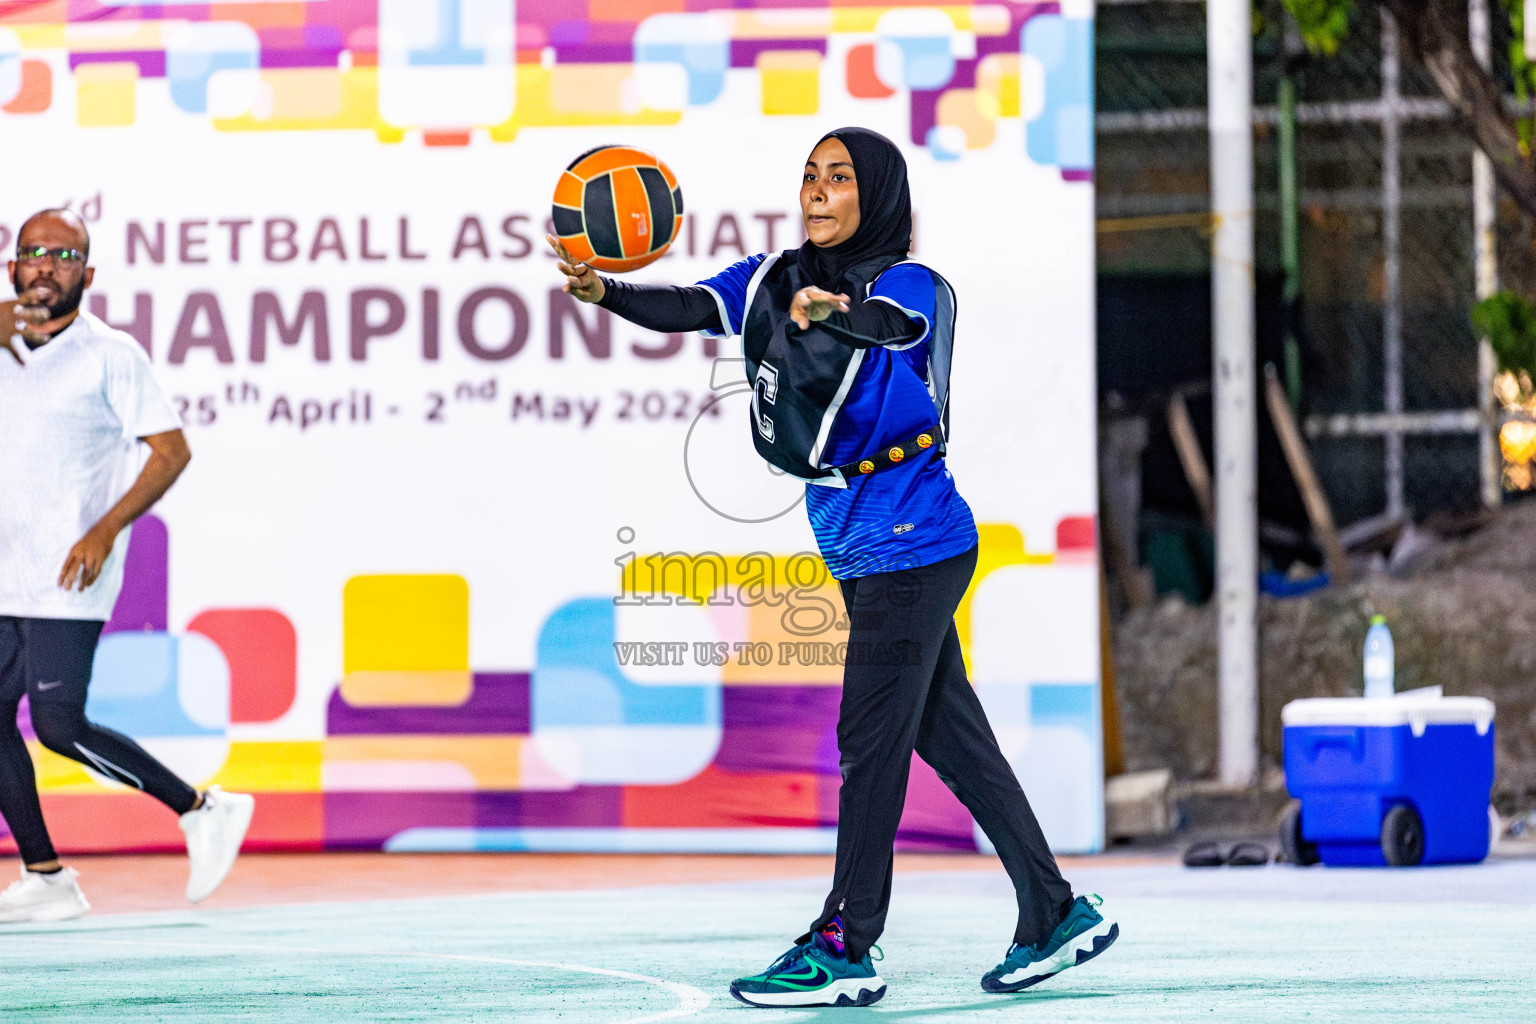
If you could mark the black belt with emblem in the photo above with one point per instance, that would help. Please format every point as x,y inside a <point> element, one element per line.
<point>893,455</point>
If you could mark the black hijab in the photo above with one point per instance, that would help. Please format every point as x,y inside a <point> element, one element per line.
<point>884,234</point>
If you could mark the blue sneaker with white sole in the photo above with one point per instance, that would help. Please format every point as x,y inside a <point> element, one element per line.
<point>815,973</point>
<point>1083,935</point>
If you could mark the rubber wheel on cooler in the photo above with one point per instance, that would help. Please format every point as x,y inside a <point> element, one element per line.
<point>1402,837</point>
<point>1295,849</point>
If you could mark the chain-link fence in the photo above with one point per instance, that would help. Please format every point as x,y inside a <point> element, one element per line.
<point>1384,368</point>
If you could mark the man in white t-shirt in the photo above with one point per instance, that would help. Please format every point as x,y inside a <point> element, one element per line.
<point>77,398</point>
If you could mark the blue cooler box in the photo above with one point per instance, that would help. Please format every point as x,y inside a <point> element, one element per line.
<point>1353,762</point>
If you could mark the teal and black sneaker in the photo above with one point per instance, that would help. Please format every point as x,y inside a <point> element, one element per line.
<point>1082,936</point>
<point>814,974</point>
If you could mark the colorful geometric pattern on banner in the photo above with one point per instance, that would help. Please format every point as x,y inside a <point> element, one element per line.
<point>449,67</point>
<point>423,752</point>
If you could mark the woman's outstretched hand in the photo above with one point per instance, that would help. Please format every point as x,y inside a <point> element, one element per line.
<point>580,280</point>
<point>813,303</point>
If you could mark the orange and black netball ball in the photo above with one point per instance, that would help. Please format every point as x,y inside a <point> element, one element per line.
<point>617,208</point>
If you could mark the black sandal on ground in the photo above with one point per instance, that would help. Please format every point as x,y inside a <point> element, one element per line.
<point>1248,855</point>
<point>1204,855</point>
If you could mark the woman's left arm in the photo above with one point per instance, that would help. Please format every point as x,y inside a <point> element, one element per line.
<point>865,324</point>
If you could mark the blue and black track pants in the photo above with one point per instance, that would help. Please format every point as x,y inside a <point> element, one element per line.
<point>49,660</point>
<point>907,690</point>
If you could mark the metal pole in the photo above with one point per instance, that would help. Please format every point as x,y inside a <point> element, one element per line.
<point>1485,247</point>
<point>1391,239</point>
<point>1229,45</point>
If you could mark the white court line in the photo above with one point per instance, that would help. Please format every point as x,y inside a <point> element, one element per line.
<point>692,1000</point>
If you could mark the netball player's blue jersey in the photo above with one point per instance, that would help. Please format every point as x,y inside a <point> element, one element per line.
<point>903,517</point>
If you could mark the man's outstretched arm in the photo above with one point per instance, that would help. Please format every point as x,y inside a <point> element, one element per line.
<point>168,456</point>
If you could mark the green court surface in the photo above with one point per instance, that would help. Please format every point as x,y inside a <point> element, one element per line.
<point>1263,944</point>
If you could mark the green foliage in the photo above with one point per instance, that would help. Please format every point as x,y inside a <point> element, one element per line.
<point>1523,72</point>
<point>1508,321</point>
<point>1323,23</point>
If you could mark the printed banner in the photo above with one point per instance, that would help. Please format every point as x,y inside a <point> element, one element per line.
<point>462,564</point>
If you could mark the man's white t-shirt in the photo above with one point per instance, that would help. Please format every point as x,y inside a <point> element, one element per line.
<point>70,420</point>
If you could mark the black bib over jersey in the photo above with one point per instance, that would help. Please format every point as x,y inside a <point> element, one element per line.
<point>800,377</point>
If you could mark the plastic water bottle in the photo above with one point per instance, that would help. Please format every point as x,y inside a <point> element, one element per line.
<point>1379,659</point>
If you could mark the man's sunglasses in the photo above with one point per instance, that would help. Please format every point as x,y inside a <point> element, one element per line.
<point>62,257</point>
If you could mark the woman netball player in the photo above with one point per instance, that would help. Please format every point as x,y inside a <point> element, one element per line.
<point>848,347</point>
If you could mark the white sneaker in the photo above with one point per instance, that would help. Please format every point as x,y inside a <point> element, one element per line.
<point>214,833</point>
<point>40,897</point>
